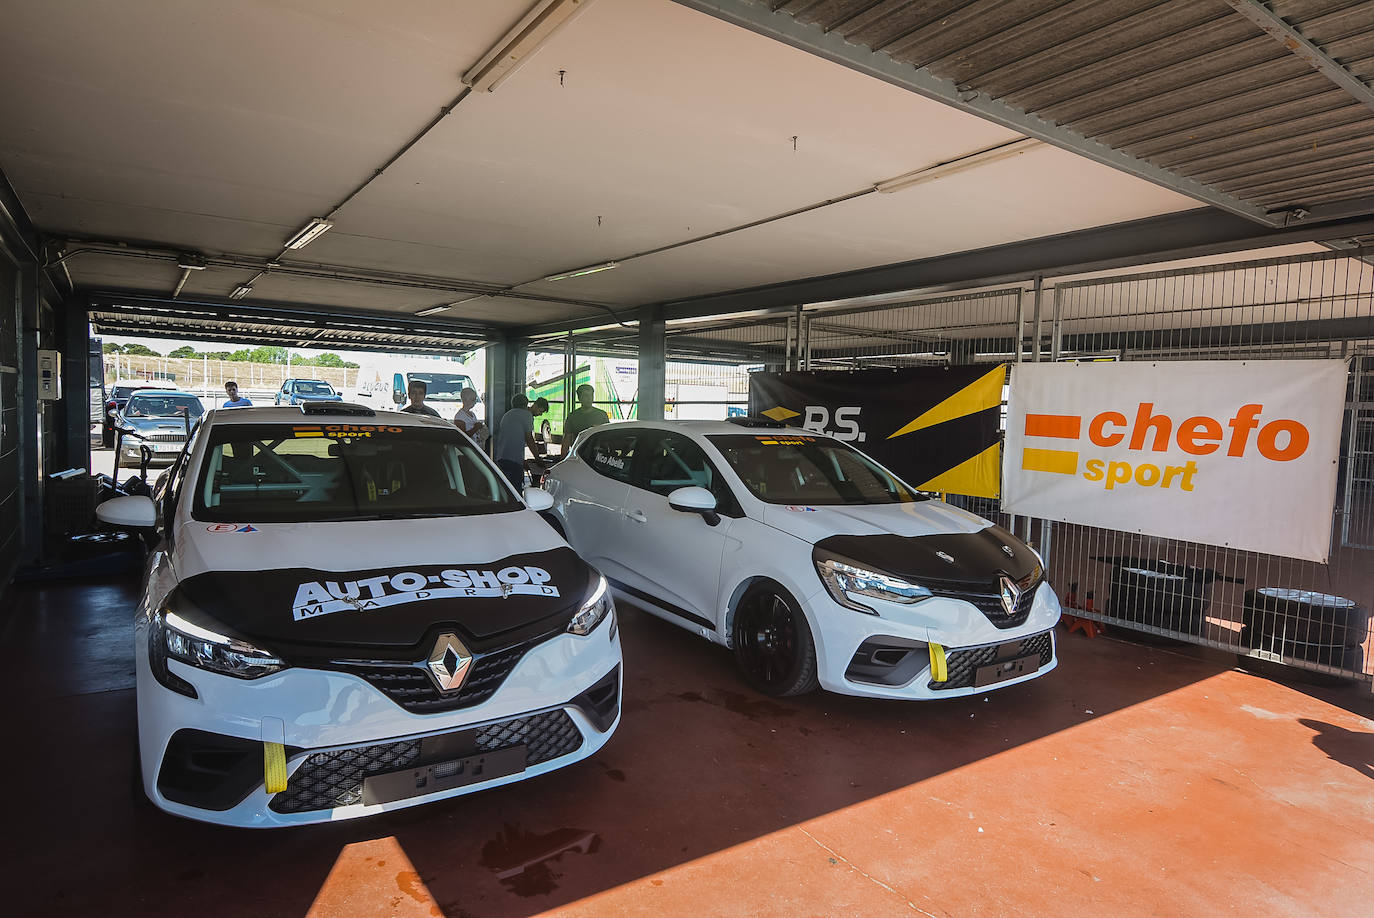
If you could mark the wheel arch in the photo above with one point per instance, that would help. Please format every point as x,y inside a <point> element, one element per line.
<point>737,594</point>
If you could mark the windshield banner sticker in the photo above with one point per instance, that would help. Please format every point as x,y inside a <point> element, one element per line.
<point>321,597</point>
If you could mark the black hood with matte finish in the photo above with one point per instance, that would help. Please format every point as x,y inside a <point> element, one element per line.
<point>975,559</point>
<point>299,612</point>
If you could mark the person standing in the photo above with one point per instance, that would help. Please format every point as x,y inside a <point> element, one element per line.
<point>231,389</point>
<point>467,420</point>
<point>514,433</point>
<point>585,416</point>
<point>417,391</point>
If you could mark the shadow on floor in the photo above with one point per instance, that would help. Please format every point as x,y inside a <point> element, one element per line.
<point>700,763</point>
<point>1349,747</point>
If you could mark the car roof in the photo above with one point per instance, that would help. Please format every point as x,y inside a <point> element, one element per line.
<point>708,428</point>
<point>270,414</point>
<point>145,384</point>
<point>146,391</point>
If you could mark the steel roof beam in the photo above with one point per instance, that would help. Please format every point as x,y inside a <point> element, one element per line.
<point>1277,28</point>
<point>759,17</point>
<point>1190,234</point>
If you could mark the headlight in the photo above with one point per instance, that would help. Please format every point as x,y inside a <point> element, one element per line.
<point>175,638</point>
<point>847,581</point>
<point>597,607</point>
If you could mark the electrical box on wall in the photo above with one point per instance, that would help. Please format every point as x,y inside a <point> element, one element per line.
<point>49,376</point>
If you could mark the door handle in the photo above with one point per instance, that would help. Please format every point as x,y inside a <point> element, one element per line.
<point>636,515</point>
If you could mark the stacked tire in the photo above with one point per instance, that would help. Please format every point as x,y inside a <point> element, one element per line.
<point>1302,625</point>
<point>1161,594</point>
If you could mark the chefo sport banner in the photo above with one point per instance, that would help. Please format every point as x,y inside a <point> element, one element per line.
<point>935,427</point>
<point>1241,454</point>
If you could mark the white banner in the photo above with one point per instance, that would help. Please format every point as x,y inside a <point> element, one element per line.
<point>1239,453</point>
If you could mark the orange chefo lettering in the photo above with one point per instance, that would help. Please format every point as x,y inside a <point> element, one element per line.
<point>1202,435</point>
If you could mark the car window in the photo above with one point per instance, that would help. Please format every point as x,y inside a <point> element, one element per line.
<point>311,472</point>
<point>163,406</point>
<point>670,461</point>
<point>786,468</point>
<point>313,387</point>
<point>611,453</point>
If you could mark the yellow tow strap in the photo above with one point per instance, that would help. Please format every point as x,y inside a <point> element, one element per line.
<point>938,671</point>
<point>274,754</point>
<point>274,767</point>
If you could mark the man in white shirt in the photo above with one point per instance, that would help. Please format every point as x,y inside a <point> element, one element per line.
<point>468,422</point>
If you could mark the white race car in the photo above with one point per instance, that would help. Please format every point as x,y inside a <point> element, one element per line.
<point>348,612</point>
<point>807,558</point>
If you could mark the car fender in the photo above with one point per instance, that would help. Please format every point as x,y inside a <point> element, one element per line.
<point>787,563</point>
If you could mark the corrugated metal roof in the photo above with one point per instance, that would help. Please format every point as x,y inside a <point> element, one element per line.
<point>1190,86</point>
<point>130,315</point>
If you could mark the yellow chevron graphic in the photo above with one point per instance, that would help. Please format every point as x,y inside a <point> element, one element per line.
<point>977,396</point>
<point>780,413</point>
<point>976,477</point>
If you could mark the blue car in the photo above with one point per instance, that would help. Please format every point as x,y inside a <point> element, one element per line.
<point>295,391</point>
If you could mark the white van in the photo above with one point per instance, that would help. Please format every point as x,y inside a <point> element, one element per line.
<point>383,385</point>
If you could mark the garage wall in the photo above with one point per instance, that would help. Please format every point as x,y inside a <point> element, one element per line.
<point>9,418</point>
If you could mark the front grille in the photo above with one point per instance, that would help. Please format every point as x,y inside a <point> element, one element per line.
<point>409,684</point>
<point>162,437</point>
<point>962,665</point>
<point>990,604</point>
<point>326,780</point>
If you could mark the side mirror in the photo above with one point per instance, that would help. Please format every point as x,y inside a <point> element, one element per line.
<point>398,396</point>
<point>695,499</point>
<point>537,499</point>
<point>128,512</point>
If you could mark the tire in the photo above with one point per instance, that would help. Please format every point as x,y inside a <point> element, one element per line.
<point>546,432</point>
<point>772,643</point>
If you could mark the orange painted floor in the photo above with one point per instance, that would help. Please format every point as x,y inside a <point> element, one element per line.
<point>1132,781</point>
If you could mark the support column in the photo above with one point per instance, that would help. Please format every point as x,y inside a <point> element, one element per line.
<point>505,375</point>
<point>653,379</point>
<point>74,411</point>
<point>31,452</point>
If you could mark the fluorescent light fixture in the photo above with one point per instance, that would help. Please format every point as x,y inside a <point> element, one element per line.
<point>973,160</point>
<point>241,291</point>
<point>191,261</point>
<point>519,44</point>
<point>435,310</point>
<point>582,272</point>
<point>313,230</point>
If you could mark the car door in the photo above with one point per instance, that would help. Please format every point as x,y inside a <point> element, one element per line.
<point>591,495</point>
<point>672,555</point>
<point>284,393</point>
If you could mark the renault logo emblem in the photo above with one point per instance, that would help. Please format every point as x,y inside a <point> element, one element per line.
<point>1010,594</point>
<point>449,663</point>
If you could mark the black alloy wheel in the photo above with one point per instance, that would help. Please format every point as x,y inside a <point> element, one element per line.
<point>772,642</point>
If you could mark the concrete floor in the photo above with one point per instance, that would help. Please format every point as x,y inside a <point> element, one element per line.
<point>1132,781</point>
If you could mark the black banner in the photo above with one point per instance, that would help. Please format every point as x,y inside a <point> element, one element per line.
<point>935,427</point>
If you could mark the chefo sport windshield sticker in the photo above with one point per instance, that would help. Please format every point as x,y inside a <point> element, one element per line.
<point>343,431</point>
<point>321,597</point>
<point>784,440</point>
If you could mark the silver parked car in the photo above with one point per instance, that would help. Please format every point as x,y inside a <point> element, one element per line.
<point>159,419</point>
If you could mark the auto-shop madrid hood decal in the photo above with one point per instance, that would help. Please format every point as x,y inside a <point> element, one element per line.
<point>394,605</point>
<point>321,597</point>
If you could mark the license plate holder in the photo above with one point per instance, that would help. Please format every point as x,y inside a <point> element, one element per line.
<point>1003,670</point>
<point>442,776</point>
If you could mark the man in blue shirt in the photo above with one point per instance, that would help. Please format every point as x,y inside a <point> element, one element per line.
<point>231,389</point>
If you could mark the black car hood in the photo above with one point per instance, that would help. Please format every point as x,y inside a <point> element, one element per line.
<point>958,560</point>
<point>297,611</point>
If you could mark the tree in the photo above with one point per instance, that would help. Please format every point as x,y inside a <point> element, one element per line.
<point>268,355</point>
<point>240,356</point>
<point>140,350</point>
<point>184,351</point>
<point>109,347</point>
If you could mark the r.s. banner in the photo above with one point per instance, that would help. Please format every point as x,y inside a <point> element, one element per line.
<point>1236,453</point>
<point>935,427</point>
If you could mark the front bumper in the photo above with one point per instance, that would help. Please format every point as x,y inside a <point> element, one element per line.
<point>560,704</point>
<point>845,641</point>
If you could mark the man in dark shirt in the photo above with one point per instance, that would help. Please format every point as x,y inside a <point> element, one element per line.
<point>588,415</point>
<point>418,390</point>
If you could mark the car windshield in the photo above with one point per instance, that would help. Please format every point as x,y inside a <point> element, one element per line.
<point>318,472</point>
<point>313,387</point>
<point>786,468</point>
<point>163,406</point>
<point>443,387</point>
<point>123,391</point>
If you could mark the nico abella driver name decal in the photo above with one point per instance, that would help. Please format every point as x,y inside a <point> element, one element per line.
<point>321,597</point>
